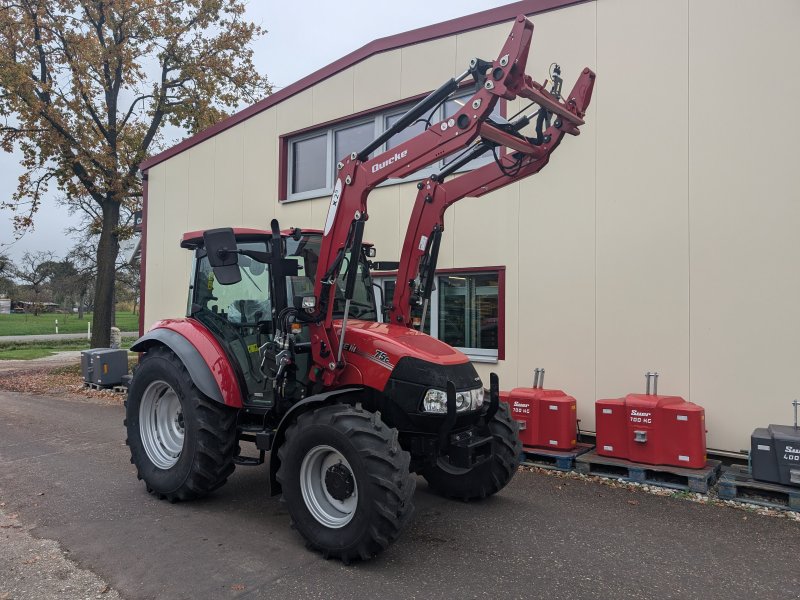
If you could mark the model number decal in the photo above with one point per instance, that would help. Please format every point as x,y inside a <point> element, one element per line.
<point>334,206</point>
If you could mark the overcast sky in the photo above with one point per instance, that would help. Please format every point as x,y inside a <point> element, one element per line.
<point>302,37</point>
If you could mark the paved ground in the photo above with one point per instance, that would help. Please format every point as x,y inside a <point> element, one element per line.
<point>50,337</point>
<point>64,470</point>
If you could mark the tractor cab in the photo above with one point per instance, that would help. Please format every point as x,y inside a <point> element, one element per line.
<point>242,311</point>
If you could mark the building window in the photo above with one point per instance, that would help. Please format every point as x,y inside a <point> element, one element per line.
<point>310,169</point>
<point>466,310</point>
<point>352,138</point>
<point>309,164</point>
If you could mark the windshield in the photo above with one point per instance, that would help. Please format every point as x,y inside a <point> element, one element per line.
<point>306,252</point>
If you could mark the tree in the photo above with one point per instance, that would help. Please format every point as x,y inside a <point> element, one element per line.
<point>34,270</point>
<point>90,84</point>
<point>128,281</point>
<point>7,285</point>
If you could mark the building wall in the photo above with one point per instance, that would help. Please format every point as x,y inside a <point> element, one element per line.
<point>663,238</point>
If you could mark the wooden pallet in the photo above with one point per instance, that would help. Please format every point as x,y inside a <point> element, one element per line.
<point>108,388</point>
<point>679,478</point>
<point>737,484</point>
<point>561,460</point>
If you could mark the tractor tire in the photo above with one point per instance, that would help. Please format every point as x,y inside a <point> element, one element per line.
<point>182,442</point>
<point>346,481</point>
<point>489,477</point>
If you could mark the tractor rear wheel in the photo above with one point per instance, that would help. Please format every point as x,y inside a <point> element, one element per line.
<point>489,477</point>
<point>182,443</point>
<point>345,481</point>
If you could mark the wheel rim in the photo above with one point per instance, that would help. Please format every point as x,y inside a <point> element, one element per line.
<point>329,486</point>
<point>161,424</point>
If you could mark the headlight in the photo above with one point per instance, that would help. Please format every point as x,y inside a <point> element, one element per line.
<point>435,401</point>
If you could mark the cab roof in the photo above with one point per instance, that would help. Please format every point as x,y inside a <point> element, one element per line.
<point>194,239</point>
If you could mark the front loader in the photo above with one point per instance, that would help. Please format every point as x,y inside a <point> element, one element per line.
<point>285,348</point>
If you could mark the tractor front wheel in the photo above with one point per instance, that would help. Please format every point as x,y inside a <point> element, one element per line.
<point>182,443</point>
<point>488,477</point>
<point>345,481</point>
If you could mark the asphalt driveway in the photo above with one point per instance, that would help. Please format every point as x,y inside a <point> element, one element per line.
<point>65,470</point>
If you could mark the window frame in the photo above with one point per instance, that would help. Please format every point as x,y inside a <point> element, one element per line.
<point>378,116</point>
<point>480,355</point>
<point>315,193</point>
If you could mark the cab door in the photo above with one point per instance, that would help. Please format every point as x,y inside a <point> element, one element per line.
<point>240,315</point>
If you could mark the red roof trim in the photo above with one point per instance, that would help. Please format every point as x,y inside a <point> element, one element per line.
<point>408,38</point>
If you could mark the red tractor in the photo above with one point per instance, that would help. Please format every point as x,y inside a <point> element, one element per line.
<point>285,346</point>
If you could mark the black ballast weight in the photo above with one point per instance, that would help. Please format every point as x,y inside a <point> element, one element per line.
<point>775,454</point>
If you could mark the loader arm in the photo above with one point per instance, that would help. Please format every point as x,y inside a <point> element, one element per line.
<point>359,173</point>
<point>425,227</point>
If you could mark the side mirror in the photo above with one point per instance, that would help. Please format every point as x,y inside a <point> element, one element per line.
<point>223,255</point>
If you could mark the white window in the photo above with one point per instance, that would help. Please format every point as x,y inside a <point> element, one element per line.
<point>312,157</point>
<point>464,312</point>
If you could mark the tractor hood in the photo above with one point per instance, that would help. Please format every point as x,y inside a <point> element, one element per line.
<point>383,350</point>
<point>385,344</point>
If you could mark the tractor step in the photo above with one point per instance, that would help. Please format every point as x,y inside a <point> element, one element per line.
<point>679,478</point>
<point>560,460</point>
<point>737,484</point>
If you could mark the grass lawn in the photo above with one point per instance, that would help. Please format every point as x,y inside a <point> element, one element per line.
<point>27,324</point>
<point>31,350</point>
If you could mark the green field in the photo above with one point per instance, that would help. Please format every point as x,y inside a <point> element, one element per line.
<point>28,324</point>
<point>31,350</point>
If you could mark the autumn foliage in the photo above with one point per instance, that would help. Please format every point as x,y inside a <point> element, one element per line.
<point>86,88</point>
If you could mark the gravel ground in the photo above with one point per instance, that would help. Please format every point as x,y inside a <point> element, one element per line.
<point>36,569</point>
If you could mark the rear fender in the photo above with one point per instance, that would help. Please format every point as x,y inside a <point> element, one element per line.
<point>304,405</point>
<point>200,353</point>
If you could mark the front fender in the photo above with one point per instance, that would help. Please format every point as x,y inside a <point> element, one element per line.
<point>200,353</point>
<point>280,433</point>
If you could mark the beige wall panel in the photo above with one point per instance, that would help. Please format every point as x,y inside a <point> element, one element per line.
<point>319,211</point>
<point>376,80</point>
<point>556,223</point>
<point>175,269</point>
<point>484,43</point>
<point>154,285</point>
<point>382,226</point>
<point>333,98</point>
<point>201,186</point>
<point>494,215</point>
<point>642,213</point>
<point>745,218</point>
<point>426,66</point>
<point>229,177</point>
<point>260,183</point>
<point>295,113</point>
<point>294,214</point>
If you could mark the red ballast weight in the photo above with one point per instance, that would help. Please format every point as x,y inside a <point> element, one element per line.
<point>652,429</point>
<point>547,418</point>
